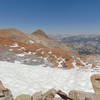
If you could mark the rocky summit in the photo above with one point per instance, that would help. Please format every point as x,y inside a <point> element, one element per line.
<point>40,33</point>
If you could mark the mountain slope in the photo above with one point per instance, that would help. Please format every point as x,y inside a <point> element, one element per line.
<point>56,53</point>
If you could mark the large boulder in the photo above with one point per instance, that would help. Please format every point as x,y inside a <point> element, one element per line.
<point>5,94</point>
<point>49,95</point>
<point>80,95</point>
<point>95,79</point>
<point>63,95</point>
<point>23,97</point>
<point>37,96</point>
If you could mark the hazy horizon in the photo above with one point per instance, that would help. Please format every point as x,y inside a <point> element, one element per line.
<point>53,16</point>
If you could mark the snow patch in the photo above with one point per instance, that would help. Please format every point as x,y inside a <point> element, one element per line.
<point>60,61</point>
<point>42,52</point>
<point>34,53</point>
<point>14,45</point>
<point>17,62</point>
<point>29,79</point>
<point>39,49</point>
<point>74,64</point>
<point>22,48</point>
<point>10,49</point>
<point>50,52</point>
<point>30,41</point>
<point>20,55</point>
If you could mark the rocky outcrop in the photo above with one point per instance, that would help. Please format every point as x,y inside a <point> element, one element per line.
<point>5,94</point>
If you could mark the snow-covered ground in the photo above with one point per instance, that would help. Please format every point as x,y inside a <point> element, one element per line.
<point>29,79</point>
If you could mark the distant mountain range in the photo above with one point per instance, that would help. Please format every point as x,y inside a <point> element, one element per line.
<point>83,44</point>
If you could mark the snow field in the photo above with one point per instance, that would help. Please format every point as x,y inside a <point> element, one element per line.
<point>29,79</point>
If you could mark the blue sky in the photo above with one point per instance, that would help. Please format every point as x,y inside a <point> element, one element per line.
<point>54,16</point>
